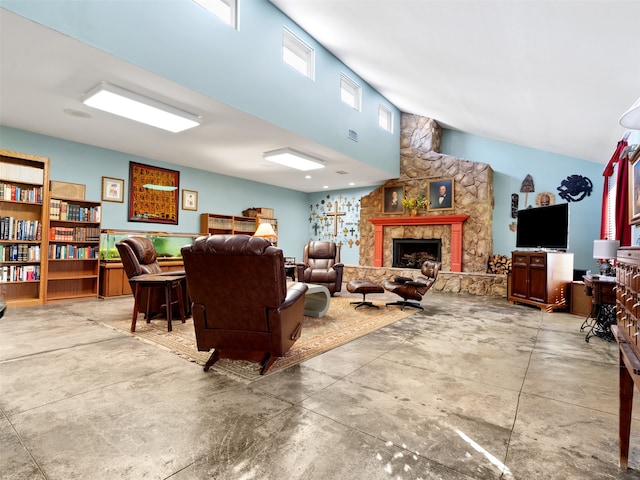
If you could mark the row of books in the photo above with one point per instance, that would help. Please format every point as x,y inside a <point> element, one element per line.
<point>221,223</point>
<point>16,229</point>
<point>64,252</point>
<point>20,252</point>
<point>21,173</point>
<point>75,234</point>
<point>19,273</point>
<point>62,210</point>
<point>17,193</point>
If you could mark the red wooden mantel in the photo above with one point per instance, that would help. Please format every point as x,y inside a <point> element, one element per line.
<point>456,234</point>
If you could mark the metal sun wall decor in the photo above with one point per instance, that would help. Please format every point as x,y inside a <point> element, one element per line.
<point>336,218</point>
<point>574,188</point>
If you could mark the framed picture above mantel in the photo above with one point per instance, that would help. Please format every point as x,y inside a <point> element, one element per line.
<point>441,194</point>
<point>392,199</point>
<point>153,194</point>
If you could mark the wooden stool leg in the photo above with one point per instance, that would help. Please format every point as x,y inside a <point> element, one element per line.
<point>136,302</point>
<point>180,301</point>
<point>167,295</point>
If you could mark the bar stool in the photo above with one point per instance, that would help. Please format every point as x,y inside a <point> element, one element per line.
<point>170,282</point>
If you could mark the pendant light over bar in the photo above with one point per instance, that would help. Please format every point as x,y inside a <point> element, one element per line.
<point>293,159</point>
<point>134,106</point>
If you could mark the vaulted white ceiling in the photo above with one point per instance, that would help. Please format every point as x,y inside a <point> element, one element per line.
<point>550,75</point>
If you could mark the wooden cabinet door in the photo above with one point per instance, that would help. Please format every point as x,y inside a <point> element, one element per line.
<point>538,277</point>
<point>519,276</point>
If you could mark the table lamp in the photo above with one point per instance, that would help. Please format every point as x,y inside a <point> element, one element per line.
<point>265,230</point>
<point>603,251</point>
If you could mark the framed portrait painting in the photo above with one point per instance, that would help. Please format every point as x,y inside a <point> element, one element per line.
<point>441,194</point>
<point>189,200</point>
<point>634,188</point>
<point>392,199</point>
<point>153,194</point>
<point>112,189</point>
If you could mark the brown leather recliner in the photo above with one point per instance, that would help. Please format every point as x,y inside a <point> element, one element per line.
<point>241,305</point>
<point>321,265</point>
<point>414,288</point>
<point>139,257</point>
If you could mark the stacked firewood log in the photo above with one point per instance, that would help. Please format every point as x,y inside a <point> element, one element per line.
<point>499,264</point>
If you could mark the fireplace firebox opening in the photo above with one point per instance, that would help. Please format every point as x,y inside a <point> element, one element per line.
<point>413,252</point>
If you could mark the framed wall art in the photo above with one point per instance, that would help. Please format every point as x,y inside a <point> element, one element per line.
<point>153,194</point>
<point>189,200</point>
<point>112,189</point>
<point>634,188</point>
<point>392,199</point>
<point>441,194</point>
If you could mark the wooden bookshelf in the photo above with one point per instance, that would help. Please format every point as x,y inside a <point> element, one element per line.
<point>217,224</point>
<point>24,183</point>
<point>73,254</point>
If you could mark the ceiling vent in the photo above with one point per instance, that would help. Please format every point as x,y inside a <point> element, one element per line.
<point>353,135</point>
<point>341,172</point>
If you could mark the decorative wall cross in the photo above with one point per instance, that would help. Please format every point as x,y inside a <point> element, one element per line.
<point>335,214</point>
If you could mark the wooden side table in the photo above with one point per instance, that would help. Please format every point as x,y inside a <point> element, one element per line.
<point>170,282</point>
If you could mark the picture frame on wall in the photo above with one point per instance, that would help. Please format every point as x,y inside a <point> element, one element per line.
<point>112,189</point>
<point>392,199</point>
<point>441,194</point>
<point>153,194</point>
<point>634,188</point>
<point>189,200</point>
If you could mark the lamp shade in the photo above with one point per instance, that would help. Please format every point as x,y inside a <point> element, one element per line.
<point>265,230</point>
<point>631,118</point>
<point>605,249</point>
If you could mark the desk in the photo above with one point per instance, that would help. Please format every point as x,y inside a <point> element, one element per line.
<point>602,314</point>
<point>170,282</point>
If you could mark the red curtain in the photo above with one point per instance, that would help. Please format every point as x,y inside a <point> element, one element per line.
<point>623,229</point>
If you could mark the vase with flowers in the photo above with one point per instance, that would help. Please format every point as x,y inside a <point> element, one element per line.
<point>413,204</point>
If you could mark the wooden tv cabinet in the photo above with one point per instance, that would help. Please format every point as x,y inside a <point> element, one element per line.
<point>541,279</point>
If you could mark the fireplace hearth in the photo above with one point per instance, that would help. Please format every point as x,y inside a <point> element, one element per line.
<point>413,252</point>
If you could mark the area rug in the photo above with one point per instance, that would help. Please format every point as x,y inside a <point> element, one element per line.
<point>342,324</point>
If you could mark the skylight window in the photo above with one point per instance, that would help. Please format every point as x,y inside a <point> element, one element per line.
<point>225,10</point>
<point>297,54</point>
<point>385,118</point>
<point>350,92</point>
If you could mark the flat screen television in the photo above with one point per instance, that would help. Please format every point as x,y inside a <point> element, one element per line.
<point>543,227</point>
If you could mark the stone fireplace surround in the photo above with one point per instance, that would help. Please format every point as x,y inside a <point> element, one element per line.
<point>466,242</point>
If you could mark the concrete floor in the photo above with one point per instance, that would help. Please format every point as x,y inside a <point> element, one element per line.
<point>471,388</point>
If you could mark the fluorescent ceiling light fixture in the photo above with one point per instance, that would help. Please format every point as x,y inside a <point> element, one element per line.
<point>134,106</point>
<point>290,158</point>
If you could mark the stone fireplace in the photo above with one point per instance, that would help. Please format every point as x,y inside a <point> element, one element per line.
<point>413,252</point>
<point>465,232</point>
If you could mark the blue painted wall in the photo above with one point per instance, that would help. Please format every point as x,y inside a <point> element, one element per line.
<point>511,163</point>
<point>179,40</point>
<point>79,163</point>
<point>243,68</point>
